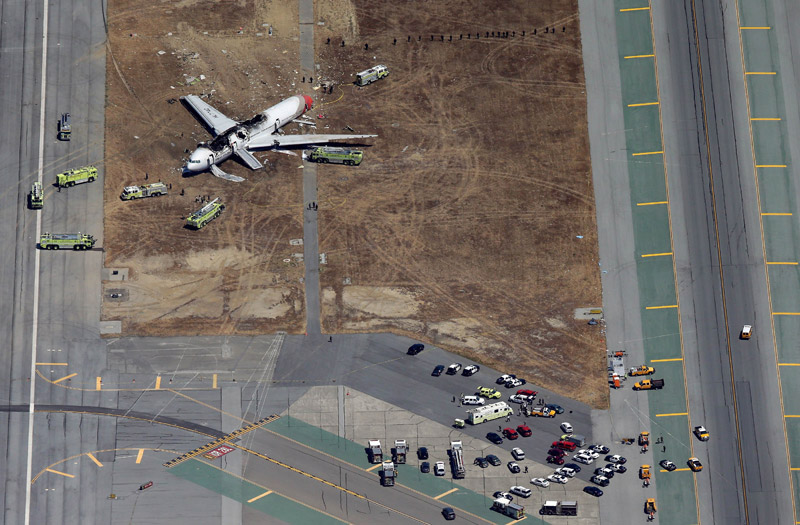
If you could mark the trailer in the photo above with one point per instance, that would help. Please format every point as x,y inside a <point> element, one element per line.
<point>388,474</point>
<point>36,197</point>
<point>56,241</point>
<point>485,413</point>
<point>512,510</point>
<point>400,449</point>
<point>139,192</point>
<point>206,214</point>
<point>375,452</point>
<point>457,460</point>
<point>560,508</point>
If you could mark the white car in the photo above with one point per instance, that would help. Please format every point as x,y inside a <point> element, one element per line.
<point>588,452</point>
<point>470,370</point>
<point>600,449</point>
<point>518,453</point>
<point>566,427</point>
<point>516,398</point>
<point>586,459</point>
<point>540,482</point>
<point>616,458</point>
<point>558,478</point>
<point>503,379</point>
<point>473,400</point>
<point>514,382</point>
<point>525,492</point>
<point>438,468</point>
<point>566,471</point>
<point>617,467</point>
<point>600,480</point>
<point>453,369</point>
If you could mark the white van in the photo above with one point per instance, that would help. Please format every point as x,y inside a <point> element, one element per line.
<point>473,400</point>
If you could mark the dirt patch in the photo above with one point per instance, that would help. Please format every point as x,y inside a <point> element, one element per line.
<point>476,199</point>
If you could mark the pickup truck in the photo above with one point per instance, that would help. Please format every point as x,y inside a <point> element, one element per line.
<point>649,384</point>
<point>643,370</point>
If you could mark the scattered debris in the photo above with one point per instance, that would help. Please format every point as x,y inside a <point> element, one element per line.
<point>162,52</point>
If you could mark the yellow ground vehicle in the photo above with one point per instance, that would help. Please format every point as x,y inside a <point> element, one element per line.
<point>649,384</point>
<point>488,392</point>
<point>695,464</point>
<point>747,331</point>
<point>76,176</point>
<point>644,472</point>
<point>701,433</point>
<point>643,370</point>
<point>650,507</point>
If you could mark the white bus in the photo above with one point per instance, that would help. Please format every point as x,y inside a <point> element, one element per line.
<point>489,412</point>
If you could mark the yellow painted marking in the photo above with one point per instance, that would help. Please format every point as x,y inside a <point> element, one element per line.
<point>785,313</point>
<point>443,494</point>
<point>98,384</point>
<point>674,414</point>
<point>96,461</point>
<point>652,203</point>
<point>214,381</point>
<point>267,493</point>
<point>647,153</point>
<point>676,470</point>
<point>373,467</point>
<point>639,56</point>
<point>794,468</point>
<point>666,360</point>
<point>643,104</point>
<point>656,254</point>
<point>59,473</point>
<point>765,118</point>
<point>761,73</point>
<point>158,383</point>
<point>789,415</point>
<point>787,262</point>
<point>788,364</point>
<point>755,27</point>
<point>634,9</point>
<point>777,214</point>
<point>64,378</point>
<point>51,364</point>
<point>139,456</point>
<point>770,165</point>
<point>661,307</point>
<point>517,521</point>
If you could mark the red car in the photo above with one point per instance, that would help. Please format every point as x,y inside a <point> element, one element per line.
<point>524,431</point>
<point>557,452</point>
<point>564,445</point>
<point>529,393</point>
<point>510,433</point>
<point>553,459</point>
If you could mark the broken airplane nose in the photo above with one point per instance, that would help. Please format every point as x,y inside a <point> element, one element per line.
<point>200,160</point>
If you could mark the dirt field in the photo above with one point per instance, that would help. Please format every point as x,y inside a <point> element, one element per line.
<point>461,227</point>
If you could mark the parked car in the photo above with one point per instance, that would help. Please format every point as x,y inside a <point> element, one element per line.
<point>564,445</point>
<point>566,427</point>
<point>503,379</point>
<point>516,398</point>
<point>566,471</point>
<point>594,491</point>
<point>422,453</point>
<point>515,382</point>
<point>517,453</point>
<point>600,449</point>
<point>438,370</point>
<point>448,513</point>
<point>573,466</point>
<point>513,467</point>
<point>453,369</point>
<point>491,393</point>
<point>425,467</point>
<point>701,433</point>
<point>594,455</point>
<point>525,492</point>
<point>540,482</point>
<point>557,452</point>
<point>668,465</point>
<point>524,431</point>
<point>616,458</point>
<point>503,494</point>
<point>558,478</point>
<point>470,370</point>
<point>494,438</point>
<point>415,349</point>
<point>494,460</point>
<point>481,462</point>
<point>525,392</point>
<point>583,458</point>
<point>473,400</point>
<point>600,480</point>
<point>555,460</point>
<point>695,464</point>
<point>558,409</point>
<point>602,471</point>
<point>616,467</point>
<point>438,468</point>
<point>510,433</point>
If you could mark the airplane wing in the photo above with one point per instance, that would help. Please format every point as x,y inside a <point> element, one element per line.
<point>213,118</point>
<point>249,159</point>
<point>268,141</point>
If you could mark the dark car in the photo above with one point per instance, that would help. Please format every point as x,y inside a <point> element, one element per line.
<point>470,370</point>
<point>416,348</point>
<point>555,460</point>
<point>557,452</point>
<point>594,491</point>
<point>510,433</point>
<point>481,462</point>
<point>422,453</point>
<point>503,494</point>
<point>607,472</point>
<point>438,370</point>
<point>494,438</point>
<point>524,431</point>
<point>425,467</point>
<point>513,467</point>
<point>557,408</point>
<point>448,513</point>
<point>616,467</point>
<point>668,465</point>
<point>494,460</point>
<point>573,466</point>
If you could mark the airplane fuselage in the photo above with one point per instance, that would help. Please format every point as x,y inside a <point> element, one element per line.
<point>238,137</point>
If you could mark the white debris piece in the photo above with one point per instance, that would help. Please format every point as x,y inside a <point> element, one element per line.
<point>162,52</point>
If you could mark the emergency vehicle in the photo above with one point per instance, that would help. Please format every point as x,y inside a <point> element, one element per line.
<point>139,192</point>
<point>206,214</point>
<point>330,155</point>
<point>37,196</point>
<point>368,76</point>
<point>76,176</point>
<point>56,241</point>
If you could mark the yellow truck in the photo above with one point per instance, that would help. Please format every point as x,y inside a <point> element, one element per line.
<point>649,384</point>
<point>644,472</point>
<point>76,176</point>
<point>643,370</point>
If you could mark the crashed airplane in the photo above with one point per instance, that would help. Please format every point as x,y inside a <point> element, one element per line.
<point>260,132</point>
